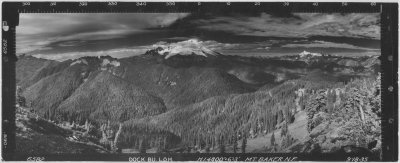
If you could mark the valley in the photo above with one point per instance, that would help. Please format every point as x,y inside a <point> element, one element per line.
<point>202,101</point>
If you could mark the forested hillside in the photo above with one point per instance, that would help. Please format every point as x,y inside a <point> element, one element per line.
<point>224,120</point>
<point>209,104</point>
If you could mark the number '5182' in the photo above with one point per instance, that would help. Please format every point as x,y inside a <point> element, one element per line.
<point>35,159</point>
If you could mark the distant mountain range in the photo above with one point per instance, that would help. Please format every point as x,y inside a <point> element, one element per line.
<point>170,86</point>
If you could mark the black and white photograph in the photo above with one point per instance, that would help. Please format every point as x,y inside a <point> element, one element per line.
<point>199,82</point>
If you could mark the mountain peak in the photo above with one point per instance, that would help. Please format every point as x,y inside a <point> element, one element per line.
<point>188,47</point>
<point>309,54</point>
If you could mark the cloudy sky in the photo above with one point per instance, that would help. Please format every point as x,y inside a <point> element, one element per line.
<point>65,36</point>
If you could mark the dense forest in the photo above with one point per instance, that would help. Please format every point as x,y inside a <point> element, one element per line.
<point>145,103</point>
<point>221,121</point>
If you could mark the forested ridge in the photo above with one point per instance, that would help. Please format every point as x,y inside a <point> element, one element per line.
<point>146,103</point>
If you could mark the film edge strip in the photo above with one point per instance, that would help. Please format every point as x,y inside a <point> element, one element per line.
<point>389,45</point>
<point>149,7</point>
<point>389,80</point>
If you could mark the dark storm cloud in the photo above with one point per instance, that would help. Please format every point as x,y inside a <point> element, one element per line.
<point>66,24</point>
<point>296,25</point>
<point>37,31</point>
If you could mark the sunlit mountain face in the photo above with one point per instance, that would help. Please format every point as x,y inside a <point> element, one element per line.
<point>70,36</point>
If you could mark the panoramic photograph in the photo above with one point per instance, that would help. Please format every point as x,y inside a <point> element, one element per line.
<point>253,82</point>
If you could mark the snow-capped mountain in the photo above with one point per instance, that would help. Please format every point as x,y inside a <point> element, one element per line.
<point>188,47</point>
<point>309,54</point>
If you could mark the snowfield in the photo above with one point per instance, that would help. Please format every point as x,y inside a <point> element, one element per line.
<point>306,53</point>
<point>189,47</point>
<point>79,61</point>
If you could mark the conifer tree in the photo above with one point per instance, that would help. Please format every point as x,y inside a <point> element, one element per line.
<point>207,149</point>
<point>244,143</point>
<point>143,145</point>
<point>20,98</point>
<point>159,144</point>
<point>116,138</point>
<point>315,105</point>
<point>273,139</point>
<point>221,147</point>
<point>235,144</point>
<point>284,129</point>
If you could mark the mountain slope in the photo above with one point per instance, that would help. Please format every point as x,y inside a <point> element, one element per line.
<point>180,86</point>
<point>188,47</point>
<point>191,99</point>
<point>107,97</point>
<point>45,95</point>
<point>223,116</point>
<point>50,68</point>
<point>36,136</point>
<point>27,65</point>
